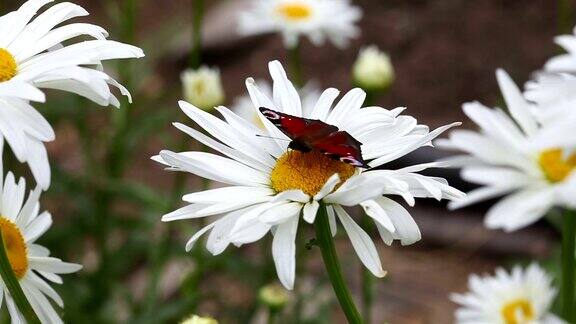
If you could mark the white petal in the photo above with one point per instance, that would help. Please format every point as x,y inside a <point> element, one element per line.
<point>284,252</point>
<point>361,242</point>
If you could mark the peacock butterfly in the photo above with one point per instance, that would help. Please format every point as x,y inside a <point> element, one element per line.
<point>311,134</point>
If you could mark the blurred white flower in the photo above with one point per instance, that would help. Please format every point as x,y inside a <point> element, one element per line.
<point>317,19</point>
<point>553,90</point>
<point>271,186</point>
<point>32,56</point>
<point>521,296</point>
<point>195,319</point>
<point>373,70</point>
<point>203,87</point>
<point>244,107</point>
<point>564,62</point>
<point>515,155</point>
<point>553,95</point>
<point>21,225</point>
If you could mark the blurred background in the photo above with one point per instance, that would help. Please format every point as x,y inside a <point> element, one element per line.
<point>107,195</point>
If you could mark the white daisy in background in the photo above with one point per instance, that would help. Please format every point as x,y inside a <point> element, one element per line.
<point>32,55</point>
<point>22,224</point>
<point>244,107</point>
<point>553,89</point>
<point>515,155</point>
<point>270,186</point>
<point>317,19</point>
<point>203,87</point>
<point>521,296</point>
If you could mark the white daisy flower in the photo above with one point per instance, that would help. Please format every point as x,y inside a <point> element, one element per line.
<point>22,224</point>
<point>317,19</point>
<point>32,56</point>
<point>203,87</point>
<point>244,107</point>
<point>564,62</point>
<point>521,296</point>
<point>270,186</point>
<point>515,155</point>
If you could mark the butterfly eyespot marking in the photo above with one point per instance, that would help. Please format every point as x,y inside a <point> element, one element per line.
<point>271,115</point>
<point>352,161</point>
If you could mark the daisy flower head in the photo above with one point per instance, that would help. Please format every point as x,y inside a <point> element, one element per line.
<point>273,183</point>
<point>22,224</point>
<point>317,19</point>
<point>37,51</point>
<point>515,155</point>
<point>519,296</point>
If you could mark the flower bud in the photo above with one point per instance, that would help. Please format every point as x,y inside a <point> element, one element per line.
<point>203,87</point>
<point>373,70</point>
<point>195,319</point>
<point>274,296</point>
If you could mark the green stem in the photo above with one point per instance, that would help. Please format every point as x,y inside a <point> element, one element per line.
<point>13,286</point>
<point>326,244</point>
<point>197,15</point>
<point>568,266</point>
<point>271,316</point>
<point>565,16</point>
<point>295,66</point>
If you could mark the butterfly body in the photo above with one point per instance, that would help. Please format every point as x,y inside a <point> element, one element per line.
<point>311,134</point>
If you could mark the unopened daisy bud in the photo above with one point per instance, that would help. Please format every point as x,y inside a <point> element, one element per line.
<point>274,296</point>
<point>203,87</point>
<point>195,319</point>
<point>373,70</point>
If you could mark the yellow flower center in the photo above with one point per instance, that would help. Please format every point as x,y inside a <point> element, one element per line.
<point>555,165</point>
<point>15,247</point>
<point>518,312</point>
<point>8,66</point>
<point>307,171</point>
<point>295,11</point>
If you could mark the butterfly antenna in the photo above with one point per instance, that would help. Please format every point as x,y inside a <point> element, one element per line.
<point>276,138</point>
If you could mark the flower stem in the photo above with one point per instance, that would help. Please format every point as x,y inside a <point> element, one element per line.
<point>13,286</point>
<point>326,244</point>
<point>565,16</point>
<point>295,65</point>
<point>568,266</point>
<point>197,15</point>
<point>367,294</point>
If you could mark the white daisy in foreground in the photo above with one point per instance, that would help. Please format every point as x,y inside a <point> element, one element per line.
<point>32,56</point>
<point>317,19</point>
<point>515,155</point>
<point>520,297</point>
<point>21,225</point>
<point>203,87</point>
<point>244,107</point>
<point>270,186</point>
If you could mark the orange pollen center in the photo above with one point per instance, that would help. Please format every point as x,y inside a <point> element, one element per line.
<point>518,312</point>
<point>555,165</point>
<point>295,11</point>
<point>307,171</point>
<point>15,247</point>
<point>8,66</point>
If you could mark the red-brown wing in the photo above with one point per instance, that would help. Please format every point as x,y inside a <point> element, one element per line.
<point>341,146</point>
<point>298,128</point>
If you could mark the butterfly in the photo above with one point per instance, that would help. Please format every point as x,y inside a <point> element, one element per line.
<point>315,135</point>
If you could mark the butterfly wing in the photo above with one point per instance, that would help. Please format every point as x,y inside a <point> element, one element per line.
<point>311,134</point>
<point>297,128</point>
<point>341,146</point>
